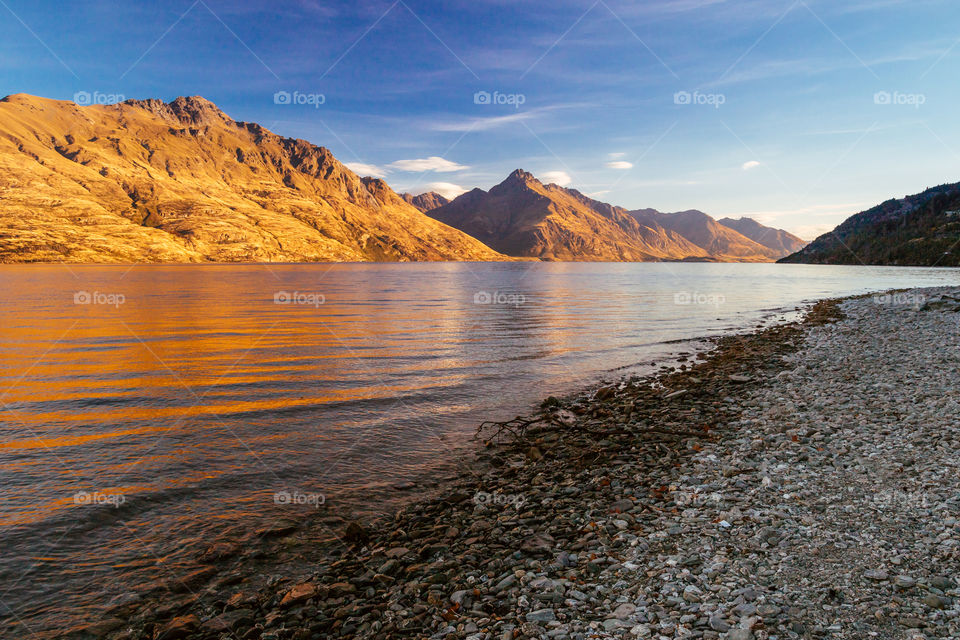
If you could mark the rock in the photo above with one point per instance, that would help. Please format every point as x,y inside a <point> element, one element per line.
<point>605,393</point>
<point>299,593</point>
<point>355,534</point>
<point>229,621</point>
<point>911,622</point>
<point>942,583</point>
<point>740,634</point>
<point>691,593</point>
<point>506,583</point>
<point>717,623</point>
<point>876,574</point>
<point>612,623</point>
<point>904,582</point>
<point>936,602</point>
<point>624,611</point>
<point>538,543</point>
<point>541,615</point>
<point>739,378</point>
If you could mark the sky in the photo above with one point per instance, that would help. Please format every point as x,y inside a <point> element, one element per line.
<point>798,113</point>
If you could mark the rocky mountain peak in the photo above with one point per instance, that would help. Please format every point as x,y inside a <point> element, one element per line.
<point>193,111</point>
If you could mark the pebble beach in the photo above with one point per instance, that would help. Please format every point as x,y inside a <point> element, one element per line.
<point>798,482</point>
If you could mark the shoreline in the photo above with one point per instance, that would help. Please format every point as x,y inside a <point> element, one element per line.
<point>514,547</point>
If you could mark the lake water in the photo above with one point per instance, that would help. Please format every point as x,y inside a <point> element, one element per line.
<point>147,409</point>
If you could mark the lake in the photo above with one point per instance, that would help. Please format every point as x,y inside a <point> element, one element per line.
<point>147,409</point>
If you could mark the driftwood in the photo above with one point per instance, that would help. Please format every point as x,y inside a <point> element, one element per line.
<point>516,428</point>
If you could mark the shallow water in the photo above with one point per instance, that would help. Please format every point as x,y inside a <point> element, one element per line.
<point>147,410</point>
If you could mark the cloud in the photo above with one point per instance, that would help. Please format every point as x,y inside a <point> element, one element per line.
<point>363,169</point>
<point>619,164</point>
<point>433,163</point>
<point>446,189</point>
<point>482,124</point>
<point>618,154</point>
<point>751,164</point>
<point>561,178</point>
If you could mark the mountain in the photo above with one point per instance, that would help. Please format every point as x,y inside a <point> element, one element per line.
<point>426,201</point>
<point>720,242</point>
<point>148,181</point>
<point>918,230</point>
<point>780,241</point>
<point>521,216</point>
<point>524,217</point>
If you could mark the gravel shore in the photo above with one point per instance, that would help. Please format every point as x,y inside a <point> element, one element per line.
<point>801,482</point>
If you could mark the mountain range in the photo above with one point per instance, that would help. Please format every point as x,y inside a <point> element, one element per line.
<point>521,216</point>
<point>148,181</point>
<point>918,230</point>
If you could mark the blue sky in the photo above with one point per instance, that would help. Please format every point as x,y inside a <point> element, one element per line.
<point>796,112</point>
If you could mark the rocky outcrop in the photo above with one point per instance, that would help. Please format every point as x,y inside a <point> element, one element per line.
<point>426,201</point>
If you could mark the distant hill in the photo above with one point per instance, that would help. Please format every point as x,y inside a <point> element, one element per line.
<point>521,216</point>
<point>148,181</point>
<point>780,241</point>
<point>717,240</point>
<point>426,201</point>
<point>918,230</point>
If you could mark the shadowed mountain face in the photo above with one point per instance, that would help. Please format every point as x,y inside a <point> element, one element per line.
<point>426,201</point>
<point>523,217</point>
<point>918,230</point>
<point>148,181</point>
<point>780,241</point>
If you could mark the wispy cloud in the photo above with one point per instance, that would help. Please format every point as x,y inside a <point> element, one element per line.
<point>750,164</point>
<point>482,124</point>
<point>619,164</point>
<point>433,163</point>
<point>448,190</point>
<point>561,178</point>
<point>364,169</point>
